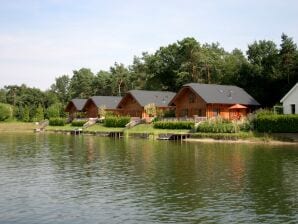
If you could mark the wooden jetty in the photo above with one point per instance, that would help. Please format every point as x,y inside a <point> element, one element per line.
<point>174,137</point>
<point>76,131</point>
<point>116,134</point>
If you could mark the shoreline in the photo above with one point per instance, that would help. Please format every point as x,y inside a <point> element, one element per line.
<point>154,134</point>
<point>252,140</point>
<point>239,141</point>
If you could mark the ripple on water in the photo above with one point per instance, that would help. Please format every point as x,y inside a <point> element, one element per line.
<point>85,179</point>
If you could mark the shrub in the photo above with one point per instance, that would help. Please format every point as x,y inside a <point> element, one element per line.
<point>116,121</point>
<point>276,123</point>
<point>5,111</point>
<point>57,121</point>
<point>150,109</point>
<point>39,113</point>
<point>26,114</point>
<point>218,126</point>
<point>78,123</point>
<point>54,110</point>
<point>169,113</point>
<point>173,124</point>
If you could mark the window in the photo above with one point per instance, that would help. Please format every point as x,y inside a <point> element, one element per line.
<point>216,112</point>
<point>293,111</point>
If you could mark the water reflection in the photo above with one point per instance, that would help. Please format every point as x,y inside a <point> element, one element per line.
<point>86,179</point>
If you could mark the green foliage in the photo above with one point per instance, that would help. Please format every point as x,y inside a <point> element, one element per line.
<point>6,111</point>
<point>266,71</point>
<point>26,114</point>
<point>276,123</point>
<point>53,110</point>
<point>150,109</point>
<point>173,124</point>
<point>39,114</point>
<point>218,126</point>
<point>78,123</point>
<point>57,121</point>
<point>102,111</point>
<point>116,121</point>
<point>81,83</point>
<point>169,113</point>
<point>61,88</point>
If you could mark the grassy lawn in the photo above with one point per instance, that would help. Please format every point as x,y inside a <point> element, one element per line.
<point>93,128</point>
<point>142,128</point>
<point>15,126</point>
<point>67,127</point>
<point>148,128</point>
<point>101,128</point>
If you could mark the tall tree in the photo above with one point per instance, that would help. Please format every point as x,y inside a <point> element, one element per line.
<point>61,87</point>
<point>81,83</point>
<point>120,77</point>
<point>288,59</point>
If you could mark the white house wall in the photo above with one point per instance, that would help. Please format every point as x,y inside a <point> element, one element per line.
<point>292,98</point>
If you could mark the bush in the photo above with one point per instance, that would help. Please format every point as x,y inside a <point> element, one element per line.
<point>5,111</point>
<point>276,123</point>
<point>218,126</point>
<point>57,121</point>
<point>54,110</point>
<point>26,114</point>
<point>173,124</point>
<point>116,121</point>
<point>169,113</point>
<point>39,114</point>
<point>78,123</point>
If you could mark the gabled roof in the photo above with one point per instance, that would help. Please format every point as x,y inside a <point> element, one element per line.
<point>77,103</point>
<point>144,97</point>
<point>221,94</point>
<point>289,93</point>
<point>110,102</point>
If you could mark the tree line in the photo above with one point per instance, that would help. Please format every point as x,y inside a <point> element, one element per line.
<point>266,71</point>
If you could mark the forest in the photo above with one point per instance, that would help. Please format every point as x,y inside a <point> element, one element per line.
<point>266,71</point>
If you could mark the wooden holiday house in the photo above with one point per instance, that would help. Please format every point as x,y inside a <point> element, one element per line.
<point>75,108</point>
<point>210,100</point>
<point>134,101</point>
<point>94,103</point>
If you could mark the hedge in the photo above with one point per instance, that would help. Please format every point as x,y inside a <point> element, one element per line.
<point>5,111</point>
<point>57,121</point>
<point>276,123</point>
<point>218,127</point>
<point>78,123</point>
<point>116,121</point>
<point>173,124</point>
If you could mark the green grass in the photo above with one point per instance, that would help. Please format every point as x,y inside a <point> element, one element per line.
<point>93,128</point>
<point>102,128</point>
<point>67,127</point>
<point>226,136</point>
<point>148,128</point>
<point>16,126</point>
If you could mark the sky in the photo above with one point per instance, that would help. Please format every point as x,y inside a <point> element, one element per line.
<point>44,39</point>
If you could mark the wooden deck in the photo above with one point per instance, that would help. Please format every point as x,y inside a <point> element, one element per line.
<point>175,137</point>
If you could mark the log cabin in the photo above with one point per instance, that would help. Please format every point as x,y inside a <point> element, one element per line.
<point>94,103</point>
<point>75,108</point>
<point>134,101</point>
<point>210,100</point>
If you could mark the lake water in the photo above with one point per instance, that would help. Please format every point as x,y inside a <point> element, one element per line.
<point>48,178</point>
